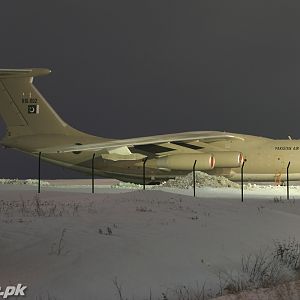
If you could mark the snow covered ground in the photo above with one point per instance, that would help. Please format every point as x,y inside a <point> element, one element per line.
<point>67,243</point>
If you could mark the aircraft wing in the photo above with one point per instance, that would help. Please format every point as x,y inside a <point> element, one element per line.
<point>180,139</point>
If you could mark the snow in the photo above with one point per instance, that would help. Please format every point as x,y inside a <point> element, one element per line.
<point>22,181</point>
<point>201,179</point>
<point>287,291</point>
<point>58,243</point>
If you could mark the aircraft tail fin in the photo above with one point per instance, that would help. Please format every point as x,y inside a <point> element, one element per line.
<point>23,109</point>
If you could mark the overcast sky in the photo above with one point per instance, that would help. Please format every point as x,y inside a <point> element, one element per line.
<point>135,68</point>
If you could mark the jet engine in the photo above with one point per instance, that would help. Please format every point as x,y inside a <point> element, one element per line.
<point>185,162</point>
<point>228,159</point>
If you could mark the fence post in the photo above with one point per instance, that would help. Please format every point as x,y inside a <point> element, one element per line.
<point>144,172</point>
<point>39,172</point>
<point>242,181</point>
<point>287,182</point>
<point>194,178</point>
<point>93,174</point>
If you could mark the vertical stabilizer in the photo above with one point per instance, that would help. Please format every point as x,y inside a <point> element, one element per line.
<point>23,109</point>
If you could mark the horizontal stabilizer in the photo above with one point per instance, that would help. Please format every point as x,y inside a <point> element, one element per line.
<point>17,73</point>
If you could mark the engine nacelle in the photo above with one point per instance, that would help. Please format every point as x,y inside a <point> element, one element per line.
<point>228,159</point>
<point>185,162</point>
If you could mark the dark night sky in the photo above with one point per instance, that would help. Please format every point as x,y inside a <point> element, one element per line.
<point>135,68</point>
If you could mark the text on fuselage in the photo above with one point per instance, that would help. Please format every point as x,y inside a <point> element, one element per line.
<point>287,148</point>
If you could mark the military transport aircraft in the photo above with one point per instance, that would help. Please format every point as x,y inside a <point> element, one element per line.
<point>34,127</point>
